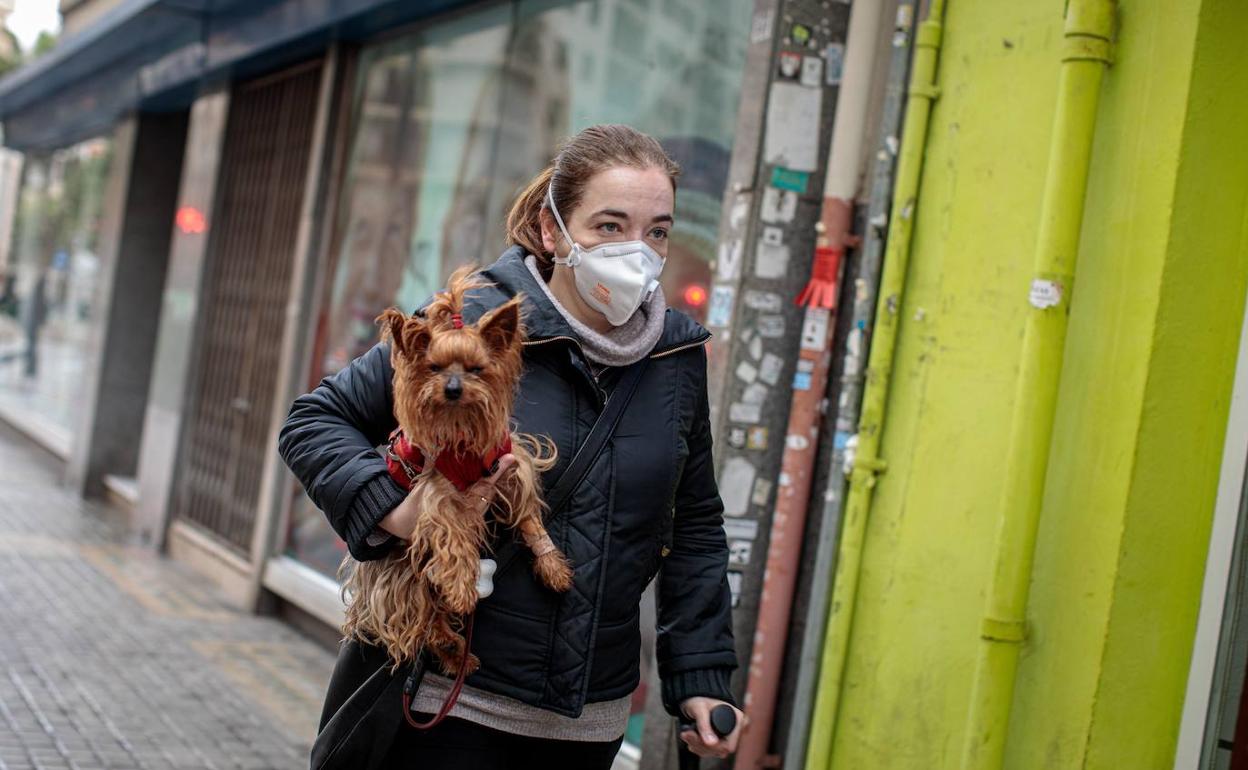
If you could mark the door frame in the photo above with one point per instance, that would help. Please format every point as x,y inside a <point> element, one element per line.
<point>318,218</point>
<point>1222,625</point>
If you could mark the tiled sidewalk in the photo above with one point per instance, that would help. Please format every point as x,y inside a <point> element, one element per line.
<point>112,657</point>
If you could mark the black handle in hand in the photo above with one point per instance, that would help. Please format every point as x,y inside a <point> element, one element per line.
<point>723,722</point>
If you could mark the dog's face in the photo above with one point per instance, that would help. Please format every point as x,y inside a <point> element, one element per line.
<point>455,386</point>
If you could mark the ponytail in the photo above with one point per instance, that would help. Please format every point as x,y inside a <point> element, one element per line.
<point>524,221</point>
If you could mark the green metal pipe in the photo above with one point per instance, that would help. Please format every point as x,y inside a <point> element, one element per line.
<point>867,463</point>
<point>1086,52</point>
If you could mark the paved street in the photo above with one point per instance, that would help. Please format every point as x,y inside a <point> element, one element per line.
<point>111,657</point>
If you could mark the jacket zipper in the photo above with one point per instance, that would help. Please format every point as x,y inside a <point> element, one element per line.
<point>679,348</point>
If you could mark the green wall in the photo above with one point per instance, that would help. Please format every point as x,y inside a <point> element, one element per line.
<point>1150,352</point>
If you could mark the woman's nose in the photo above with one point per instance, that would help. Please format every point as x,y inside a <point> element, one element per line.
<point>453,388</point>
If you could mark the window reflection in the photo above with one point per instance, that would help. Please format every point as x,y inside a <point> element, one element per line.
<point>47,287</point>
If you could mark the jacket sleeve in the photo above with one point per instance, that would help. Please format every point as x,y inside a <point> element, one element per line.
<point>695,648</point>
<point>329,441</point>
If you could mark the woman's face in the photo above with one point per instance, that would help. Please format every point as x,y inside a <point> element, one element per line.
<point>619,204</point>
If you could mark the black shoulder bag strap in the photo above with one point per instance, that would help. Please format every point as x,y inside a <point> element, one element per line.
<point>599,435</point>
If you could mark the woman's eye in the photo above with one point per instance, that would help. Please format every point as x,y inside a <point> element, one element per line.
<point>658,233</point>
<point>609,227</point>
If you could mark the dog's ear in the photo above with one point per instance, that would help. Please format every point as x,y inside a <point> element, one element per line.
<point>391,323</point>
<point>416,337</point>
<point>408,336</point>
<point>500,328</point>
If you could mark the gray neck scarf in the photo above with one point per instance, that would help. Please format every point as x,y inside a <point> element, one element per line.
<point>624,344</point>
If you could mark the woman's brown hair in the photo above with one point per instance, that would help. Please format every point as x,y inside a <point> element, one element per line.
<point>579,158</point>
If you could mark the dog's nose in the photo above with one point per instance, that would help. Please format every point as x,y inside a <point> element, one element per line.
<point>453,388</point>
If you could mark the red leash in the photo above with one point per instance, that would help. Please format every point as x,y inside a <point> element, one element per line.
<point>451,698</point>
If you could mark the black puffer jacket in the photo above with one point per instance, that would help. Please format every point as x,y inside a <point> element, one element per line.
<point>650,501</point>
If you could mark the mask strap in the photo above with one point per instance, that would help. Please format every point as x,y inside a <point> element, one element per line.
<point>550,200</point>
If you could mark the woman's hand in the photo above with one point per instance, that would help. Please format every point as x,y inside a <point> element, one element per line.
<point>704,742</point>
<point>402,520</point>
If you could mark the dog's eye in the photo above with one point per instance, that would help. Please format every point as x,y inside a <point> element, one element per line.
<point>477,369</point>
<point>434,368</point>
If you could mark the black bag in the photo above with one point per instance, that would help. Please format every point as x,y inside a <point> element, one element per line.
<point>357,733</point>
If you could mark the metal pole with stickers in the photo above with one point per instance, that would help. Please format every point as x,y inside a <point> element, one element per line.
<point>772,204</point>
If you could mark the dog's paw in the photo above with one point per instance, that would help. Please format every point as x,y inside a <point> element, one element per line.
<point>554,571</point>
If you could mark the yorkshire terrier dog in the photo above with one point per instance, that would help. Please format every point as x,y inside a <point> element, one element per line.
<point>454,386</point>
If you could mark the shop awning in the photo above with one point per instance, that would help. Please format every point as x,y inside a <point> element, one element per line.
<point>156,54</point>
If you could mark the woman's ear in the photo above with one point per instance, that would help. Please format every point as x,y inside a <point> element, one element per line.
<point>550,231</point>
<point>500,328</point>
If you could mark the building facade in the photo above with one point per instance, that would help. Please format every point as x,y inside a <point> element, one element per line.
<point>217,198</point>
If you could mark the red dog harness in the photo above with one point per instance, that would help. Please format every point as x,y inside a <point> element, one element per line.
<point>406,462</point>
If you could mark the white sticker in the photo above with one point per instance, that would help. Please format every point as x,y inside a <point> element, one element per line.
<point>762,491</point>
<point>805,365</point>
<point>742,529</point>
<point>760,29</point>
<point>853,346</point>
<point>836,63</point>
<point>762,301</point>
<point>773,236</point>
<point>815,328</point>
<point>756,347</point>
<point>770,326</point>
<point>778,206</point>
<point>728,263</point>
<point>812,71</point>
<point>771,261</point>
<point>796,441</point>
<point>746,413</point>
<point>739,552</point>
<point>747,371</point>
<point>769,369</point>
<point>720,312</point>
<point>1045,294</point>
<point>792,139</point>
<point>735,484</point>
<point>734,585</point>
<point>740,212</point>
<point>755,394</point>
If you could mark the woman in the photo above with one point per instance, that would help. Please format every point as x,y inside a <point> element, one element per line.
<point>588,238</point>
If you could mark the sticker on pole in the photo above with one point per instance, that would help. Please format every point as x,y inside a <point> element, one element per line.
<point>1045,293</point>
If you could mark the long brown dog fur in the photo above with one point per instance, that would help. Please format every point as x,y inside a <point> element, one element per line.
<point>418,597</point>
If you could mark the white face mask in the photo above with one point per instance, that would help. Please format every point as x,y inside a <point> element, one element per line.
<point>614,278</point>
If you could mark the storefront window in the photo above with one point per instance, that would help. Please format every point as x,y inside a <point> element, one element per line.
<point>420,160</point>
<point>452,121</point>
<point>48,285</point>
